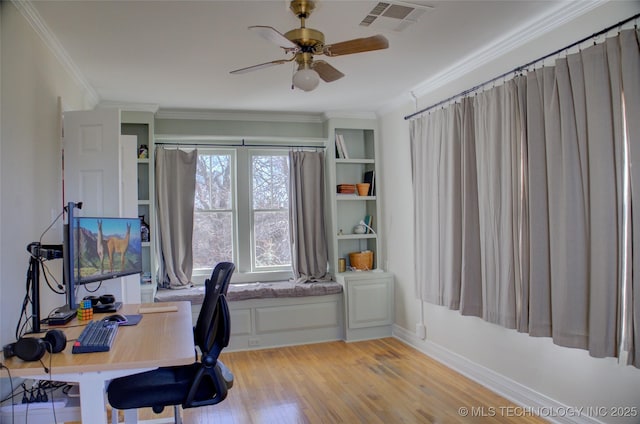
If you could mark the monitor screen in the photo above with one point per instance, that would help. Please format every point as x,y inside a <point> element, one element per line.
<point>106,248</point>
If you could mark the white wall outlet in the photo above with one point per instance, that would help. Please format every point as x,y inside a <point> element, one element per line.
<point>421,331</point>
<point>254,341</point>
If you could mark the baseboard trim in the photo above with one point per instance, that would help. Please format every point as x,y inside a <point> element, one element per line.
<point>553,411</point>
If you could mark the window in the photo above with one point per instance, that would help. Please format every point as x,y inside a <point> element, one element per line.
<point>270,211</point>
<point>242,210</point>
<point>215,209</point>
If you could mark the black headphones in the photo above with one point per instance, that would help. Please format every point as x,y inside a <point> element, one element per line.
<point>33,348</point>
<point>101,303</point>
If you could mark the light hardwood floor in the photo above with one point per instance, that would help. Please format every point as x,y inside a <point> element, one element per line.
<point>379,381</point>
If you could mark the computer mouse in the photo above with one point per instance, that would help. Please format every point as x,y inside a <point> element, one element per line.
<point>120,319</point>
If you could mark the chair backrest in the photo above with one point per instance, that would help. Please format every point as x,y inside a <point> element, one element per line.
<point>221,276</point>
<point>210,383</point>
<point>208,326</point>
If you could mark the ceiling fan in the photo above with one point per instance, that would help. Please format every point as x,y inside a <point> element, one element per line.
<point>304,43</point>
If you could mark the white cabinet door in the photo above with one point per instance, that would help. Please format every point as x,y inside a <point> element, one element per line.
<point>368,304</point>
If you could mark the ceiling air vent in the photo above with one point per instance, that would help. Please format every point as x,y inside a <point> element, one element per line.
<point>395,16</point>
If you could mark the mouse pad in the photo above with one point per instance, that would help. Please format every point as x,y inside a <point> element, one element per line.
<point>132,319</point>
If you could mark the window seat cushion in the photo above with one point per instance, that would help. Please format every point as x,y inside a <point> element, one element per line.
<point>248,291</point>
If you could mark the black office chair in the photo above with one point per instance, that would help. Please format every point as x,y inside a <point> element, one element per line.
<point>206,381</point>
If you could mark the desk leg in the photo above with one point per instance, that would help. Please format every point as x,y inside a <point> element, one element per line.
<point>130,416</point>
<point>92,404</point>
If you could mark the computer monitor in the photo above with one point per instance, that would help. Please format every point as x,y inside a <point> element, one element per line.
<point>99,249</point>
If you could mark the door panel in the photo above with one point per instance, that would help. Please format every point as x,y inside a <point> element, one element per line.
<point>91,161</point>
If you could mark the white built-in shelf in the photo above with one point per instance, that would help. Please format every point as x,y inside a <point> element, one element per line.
<point>354,161</point>
<point>356,236</point>
<point>354,197</point>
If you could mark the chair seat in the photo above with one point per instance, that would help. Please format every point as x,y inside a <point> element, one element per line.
<point>163,386</point>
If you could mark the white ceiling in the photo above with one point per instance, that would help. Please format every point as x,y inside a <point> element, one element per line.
<point>177,54</point>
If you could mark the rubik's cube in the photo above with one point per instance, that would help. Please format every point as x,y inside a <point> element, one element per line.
<point>85,311</point>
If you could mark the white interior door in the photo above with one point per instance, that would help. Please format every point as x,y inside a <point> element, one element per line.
<point>91,161</point>
<point>100,170</point>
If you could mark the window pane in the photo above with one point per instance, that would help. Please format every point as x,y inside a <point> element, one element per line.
<point>212,238</point>
<point>270,182</point>
<point>270,207</point>
<point>213,182</point>
<point>271,231</point>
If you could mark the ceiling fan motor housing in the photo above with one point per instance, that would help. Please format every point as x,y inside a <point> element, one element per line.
<point>307,38</point>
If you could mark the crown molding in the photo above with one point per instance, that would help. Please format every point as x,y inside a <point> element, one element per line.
<point>565,12</point>
<point>213,115</point>
<point>30,13</point>
<point>560,15</point>
<point>349,115</point>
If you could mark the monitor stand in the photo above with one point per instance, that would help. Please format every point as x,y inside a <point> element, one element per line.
<point>60,317</point>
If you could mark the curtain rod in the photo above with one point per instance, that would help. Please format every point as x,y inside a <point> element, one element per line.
<point>523,67</point>
<point>242,144</point>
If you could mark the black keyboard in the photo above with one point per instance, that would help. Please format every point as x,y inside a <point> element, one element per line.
<point>97,336</point>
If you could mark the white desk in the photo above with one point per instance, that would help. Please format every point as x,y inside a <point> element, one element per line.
<point>160,339</point>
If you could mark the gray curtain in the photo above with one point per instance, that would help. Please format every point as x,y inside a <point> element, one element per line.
<point>175,191</point>
<point>551,160</point>
<point>445,209</point>
<point>628,45</point>
<point>309,251</point>
<point>497,132</point>
<point>539,82</point>
<point>575,118</point>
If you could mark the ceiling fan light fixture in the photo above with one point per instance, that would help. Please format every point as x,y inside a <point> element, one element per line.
<point>306,79</point>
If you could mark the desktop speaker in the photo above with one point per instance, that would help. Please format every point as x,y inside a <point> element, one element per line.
<point>33,348</point>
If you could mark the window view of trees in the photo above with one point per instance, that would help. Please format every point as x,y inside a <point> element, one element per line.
<point>218,235</point>
<point>214,210</point>
<point>270,207</point>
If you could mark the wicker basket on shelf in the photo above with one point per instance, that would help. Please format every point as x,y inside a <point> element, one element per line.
<point>361,260</point>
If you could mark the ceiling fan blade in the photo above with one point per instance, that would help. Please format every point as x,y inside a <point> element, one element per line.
<point>327,72</point>
<point>260,66</point>
<point>357,45</point>
<point>272,34</point>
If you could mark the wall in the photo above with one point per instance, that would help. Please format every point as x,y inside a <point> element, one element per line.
<point>30,164</point>
<point>243,124</point>
<point>568,376</point>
